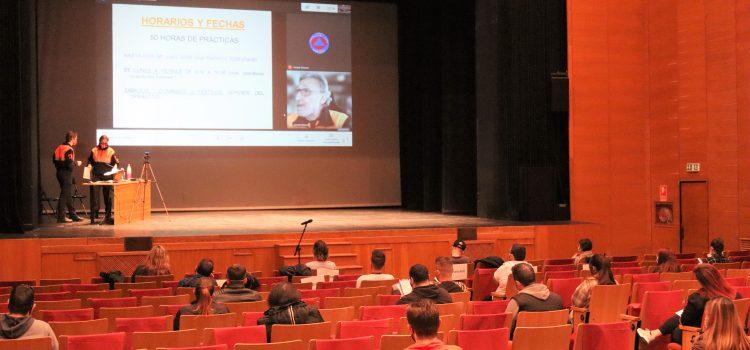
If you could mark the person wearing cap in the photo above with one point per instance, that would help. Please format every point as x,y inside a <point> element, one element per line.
<point>457,253</point>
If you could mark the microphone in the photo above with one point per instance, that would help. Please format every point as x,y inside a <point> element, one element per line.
<point>306,222</point>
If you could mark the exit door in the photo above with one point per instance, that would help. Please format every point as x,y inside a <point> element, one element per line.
<point>693,217</point>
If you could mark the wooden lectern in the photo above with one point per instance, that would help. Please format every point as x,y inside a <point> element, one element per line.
<point>131,200</point>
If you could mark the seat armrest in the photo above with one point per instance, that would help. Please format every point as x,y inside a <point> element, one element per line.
<point>579,315</point>
<point>689,336</point>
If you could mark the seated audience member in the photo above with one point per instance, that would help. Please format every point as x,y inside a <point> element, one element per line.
<point>424,321</point>
<point>320,253</point>
<point>204,303</point>
<point>712,285</point>
<point>18,323</point>
<point>157,264</point>
<point>517,256</point>
<point>284,302</point>
<point>205,269</point>
<point>423,289</point>
<point>252,282</point>
<point>457,253</point>
<point>377,261</point>
<point>716,252</point>
<point>234,290</point>
<point>531,296</point>
<point>444,277</point>
<point>665,262</point>
<point>601,274</point>
<point>722,329</point>
<point>584,252</point>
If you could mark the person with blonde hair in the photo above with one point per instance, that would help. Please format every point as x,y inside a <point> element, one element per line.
<point>722,329</point>
<point>157,264</point>
<point>204,303</point>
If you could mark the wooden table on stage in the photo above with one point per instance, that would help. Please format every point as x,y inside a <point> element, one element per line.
<point>129,196</point>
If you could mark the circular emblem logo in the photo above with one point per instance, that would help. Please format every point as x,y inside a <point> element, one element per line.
<point>319,43</point>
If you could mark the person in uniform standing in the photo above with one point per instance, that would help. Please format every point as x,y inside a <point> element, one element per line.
<point>64,159</point>
<point>102,159</point>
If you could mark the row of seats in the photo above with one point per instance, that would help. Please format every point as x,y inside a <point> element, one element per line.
<point>151,333</point>
<point>604,336</point>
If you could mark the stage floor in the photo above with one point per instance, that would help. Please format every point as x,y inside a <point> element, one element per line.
<point>268,221</point>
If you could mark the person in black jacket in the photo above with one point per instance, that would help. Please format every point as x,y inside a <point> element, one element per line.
<point>423,288</point>
<point>102,159</point>
<point>64,159</point>
<point>204,303</point>
<point>713,286</point>
<point>286,307</point>
<point>234,291</point>
<point>716,252</point>
<point>205,268</point>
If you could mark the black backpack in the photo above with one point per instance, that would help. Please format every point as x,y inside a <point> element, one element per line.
<point>490,262</point>
<point>112,277</point>
<point>296,270</point>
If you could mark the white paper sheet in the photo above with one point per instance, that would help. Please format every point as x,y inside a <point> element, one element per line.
<point>113,171</point>
<point>403,286</point>
<point>460,272</point>
<point>87,172</point>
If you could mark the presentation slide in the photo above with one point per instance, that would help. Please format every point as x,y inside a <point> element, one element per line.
<point>188,76</point>
<point>240,104</point>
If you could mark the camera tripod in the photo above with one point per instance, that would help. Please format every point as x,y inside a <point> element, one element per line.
<point>147,175</point>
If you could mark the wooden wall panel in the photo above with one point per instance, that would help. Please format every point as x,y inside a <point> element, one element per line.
<point>65,258</point>
<point>628,133</point>
<point>19,259</point>
<point>664,157</point>
<point>589,137</point>
<point>742,23</point>
<point>686,63</point>
<point>721,115</point>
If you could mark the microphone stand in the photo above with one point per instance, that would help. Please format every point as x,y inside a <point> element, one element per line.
<point>298,249</point>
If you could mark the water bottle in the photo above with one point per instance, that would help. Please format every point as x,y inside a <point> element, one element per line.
<point>129,173</point>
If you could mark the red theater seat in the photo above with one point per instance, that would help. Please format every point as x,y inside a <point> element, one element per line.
<point>362,343</point>
<point>232,335</point>
<point>109,341</point>
<point>604,336</point>
<point>486,321</point>
<point>358,329</point>
<point>483,283</point>
<point>251,318</point>
<point>485,339</point>
<point>203,347</point>
<point>565,288</point>
<point>488,307</point>
<point>639,290</point>
<point>387,299</point>
<point>68,315</point>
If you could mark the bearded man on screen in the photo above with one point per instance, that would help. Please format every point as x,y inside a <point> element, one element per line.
<point>313,101</point>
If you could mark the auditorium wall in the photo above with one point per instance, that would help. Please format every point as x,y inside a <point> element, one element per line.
<point>655,85</point>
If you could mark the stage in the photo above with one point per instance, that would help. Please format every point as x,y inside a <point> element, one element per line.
<point>269,221</point>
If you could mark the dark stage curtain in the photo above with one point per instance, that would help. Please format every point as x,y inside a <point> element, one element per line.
<point>477,128</point>
<point>18,200</point>
<point>437,106</point>
<point>521,141</point>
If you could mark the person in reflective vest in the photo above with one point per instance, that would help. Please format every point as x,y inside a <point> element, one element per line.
<point>102,159</point>
<point>64,159</point>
